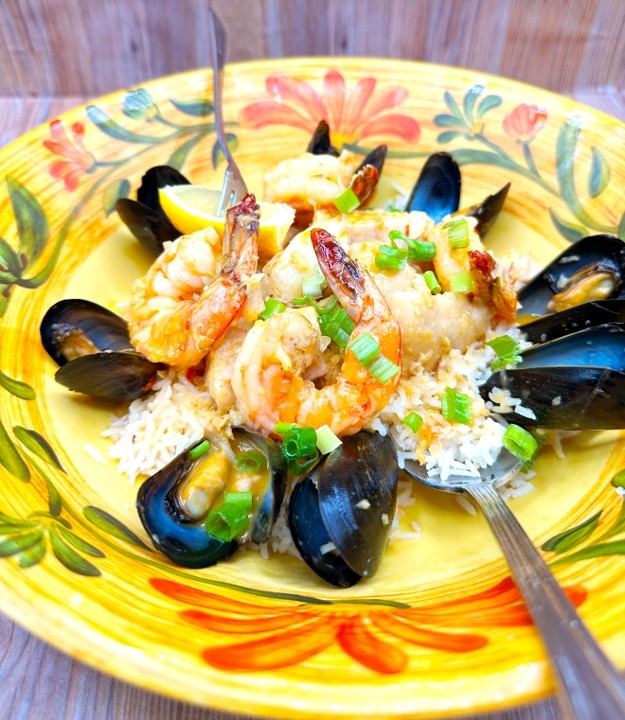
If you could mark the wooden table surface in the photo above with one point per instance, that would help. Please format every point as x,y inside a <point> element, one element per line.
<point>37,682</point>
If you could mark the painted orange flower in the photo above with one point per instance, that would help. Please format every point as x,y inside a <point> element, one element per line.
<point>524,122</point>
<point>353,113</point>
<point>374,635</point>
<point>76,161</point>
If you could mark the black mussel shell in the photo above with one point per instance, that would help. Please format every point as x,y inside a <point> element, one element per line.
<point>72,328</point>
<point>603,254</point>
<point>110,375</point>
<point>158,177</point>
<point>320,141</point>
<point>340,514</point>
<point>575,382</point>
<point>488,210</point>
<point>188,544</point>
<point>565,322</point>
<point>437,190</point>
<point>375,158</point>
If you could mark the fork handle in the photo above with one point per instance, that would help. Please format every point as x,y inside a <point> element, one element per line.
<point>589,688</point>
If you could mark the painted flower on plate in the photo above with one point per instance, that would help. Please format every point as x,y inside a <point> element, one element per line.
<point>353,113</point>
<point>76,159</point>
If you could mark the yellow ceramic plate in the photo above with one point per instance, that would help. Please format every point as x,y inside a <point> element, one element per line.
<point>440,629</point>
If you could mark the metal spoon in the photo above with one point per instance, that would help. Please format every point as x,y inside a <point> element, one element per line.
<point>233,188</point>
<point>589,688</point>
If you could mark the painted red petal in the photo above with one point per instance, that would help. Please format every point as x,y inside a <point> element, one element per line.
<point>355,104</point>
<point>262,114</point>
<point>59,168</point>
<point>300,93</point>
<point>386,99</point>
<point>277,651</point>
<point>252,625</point>
<point>356,638</point>
<point>55,147</point>
<point>72,179</point>
<point>392,125</point>
<point>402,628</point>
<point>334,96</point>
<point>58,131</point>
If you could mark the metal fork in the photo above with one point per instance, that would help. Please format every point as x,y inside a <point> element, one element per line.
<point>233,188</point>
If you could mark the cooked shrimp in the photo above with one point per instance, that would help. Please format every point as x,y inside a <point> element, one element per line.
<point>218,377</point>
<point>371,224</point>
<point>269,379</point>
<point>182,306</point>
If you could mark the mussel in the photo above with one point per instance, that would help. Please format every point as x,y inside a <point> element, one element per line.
<point>174,502</point>
<point>340,514</point>
<point>590,269</point>
<point>92,346</point>
<point>437,193</point>
<point>144,216</point>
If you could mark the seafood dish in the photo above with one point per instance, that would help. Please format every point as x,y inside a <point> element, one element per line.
<point>270,395</point>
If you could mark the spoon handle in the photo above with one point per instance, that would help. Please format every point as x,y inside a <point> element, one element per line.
<point>589,686</point>
<point>233,188</point>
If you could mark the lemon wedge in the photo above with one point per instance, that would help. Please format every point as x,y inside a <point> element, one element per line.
<point>192,207</point>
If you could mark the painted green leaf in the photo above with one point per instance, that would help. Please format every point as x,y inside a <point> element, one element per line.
<point>568,230</point>
<point>19,542</point>
<point>483,157</point>
<point>112,526</point>
<point>10,457</point>
<point>38,445</point>
<point>621,228</point>
<point>30,218</point>
<point>470,99</point>
<point>179,156</point>
<point>233,143</point>
<point>618,526</point>
<point>197,107</point>
<point>490,102</point>
<point>619,479</point>
<point>574,536</point>
<point>116,190</point>
<point>17,388</point>
<point>616,547</point>
<point>67,556</point>
<point>599,174</point>
<point>139,104</point>
<point>10,265</point>
<point>32,555</point>
<point>10,528</point>
<point>80,544</point>
<point>452,104</point>
<point>113,129</point>
<point>4,299</point>
<point>448,121</point>
<point>8,520</point>
<point>448,136</point>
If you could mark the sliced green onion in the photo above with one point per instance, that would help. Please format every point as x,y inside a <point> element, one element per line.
<point>313,283</point>
<point>421,250</point>
<point>391,258</point>
<point>389,207</point>
<point>432,282</point>
<point>284,427</point>
<point>299,442</point>
<point>347,201</point>
<point>366,349</point>
<point>271,306</point>
<point>250,461</point>
<point>458,233</point>
<point>199,450</point>
<point>394,235</point>
<point>327,440</point>
<point>456,407</point>
<point>298,466</point>
<point>507,350</point>
<point>414,421</point>
<point>461,282</point>
<point>232,518</point>
<point>334,322</point>
<point>520,443</point>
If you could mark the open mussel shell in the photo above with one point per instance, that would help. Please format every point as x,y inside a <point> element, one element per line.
<point>593,268</point>
<point>144,216</point>
<point>565,322</point>
<point>320,143</point>
<point>340,514</point>
<point>488,210</point>
<point>437,189</point>
<point>183,537</point>
<point>575,382</point>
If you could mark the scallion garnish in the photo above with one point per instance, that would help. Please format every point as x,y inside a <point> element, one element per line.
<point>417,249</point>
<point>271,306</point>
<point>367,350</point>
<point>334,322</point>
<point>461,282</point>
<point>347,201</point>
<point>457,233</point>
<point>432,282</point>
<point>391,257</point>
<point>520,443</point>
<point>230,519</point>
<point>507,350</point>
<point>250,461</point>
<point>282,428</point>
<point>199,450</point>
<point>414,421</point>
<point>327,440</point>
<point>299,448</point>
<point>456,407</point>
